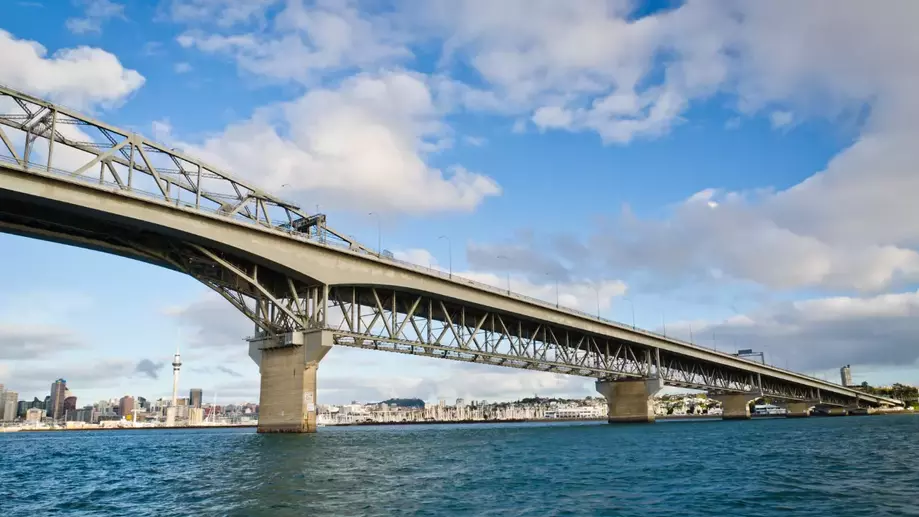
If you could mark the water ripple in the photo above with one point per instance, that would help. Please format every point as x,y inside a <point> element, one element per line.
<point>818,466</point>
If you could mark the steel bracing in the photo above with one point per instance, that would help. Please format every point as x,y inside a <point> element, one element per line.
<point>43,139</point>
<point>421,324</point>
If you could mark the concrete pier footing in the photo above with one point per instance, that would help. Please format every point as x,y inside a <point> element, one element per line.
<point>735,406</point>
<point>287,400</point>
<point>630,401</point>
<point>797,410</point>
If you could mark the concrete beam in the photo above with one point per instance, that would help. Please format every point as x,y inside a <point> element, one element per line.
<point>735,406</point>
<point>313,263</point>
<point>287,400</point>
<point>798,409</point>
<point>630,401</point>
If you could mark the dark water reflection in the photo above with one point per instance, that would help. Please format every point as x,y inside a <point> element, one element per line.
<point>819,466</point>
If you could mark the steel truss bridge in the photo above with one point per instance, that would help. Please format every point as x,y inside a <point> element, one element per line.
<point>69,178</point>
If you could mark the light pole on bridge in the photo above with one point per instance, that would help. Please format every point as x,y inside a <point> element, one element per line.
<point>632,305</point>
<point>597,290</point>
<point>556,289</point>
<point>449,252</point>
<point>379,234</point>
<point>508,273</point>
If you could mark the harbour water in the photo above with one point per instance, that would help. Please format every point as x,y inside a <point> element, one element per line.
<point>848,466</point>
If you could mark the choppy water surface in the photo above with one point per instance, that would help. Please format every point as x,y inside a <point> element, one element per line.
<point>858,466</point>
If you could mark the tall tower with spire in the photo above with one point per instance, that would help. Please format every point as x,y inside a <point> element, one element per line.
<point>172,409</point>
<point>176,365</point>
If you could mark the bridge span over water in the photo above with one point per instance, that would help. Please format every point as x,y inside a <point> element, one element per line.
<point>68,178</point>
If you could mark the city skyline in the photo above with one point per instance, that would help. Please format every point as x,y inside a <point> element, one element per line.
<point>669,185</point>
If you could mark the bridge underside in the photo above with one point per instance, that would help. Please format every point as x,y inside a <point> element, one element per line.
<point>122,194</point>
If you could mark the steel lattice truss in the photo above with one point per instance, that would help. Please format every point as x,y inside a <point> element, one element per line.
<point>419,324</point>
<point>42,137</point>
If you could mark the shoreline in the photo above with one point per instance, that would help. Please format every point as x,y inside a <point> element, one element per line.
<point>426,422</point>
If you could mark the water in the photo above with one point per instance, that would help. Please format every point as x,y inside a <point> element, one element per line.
<point>858,466</point>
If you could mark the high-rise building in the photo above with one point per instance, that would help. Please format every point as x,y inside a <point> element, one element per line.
<point>70,405</point>
<point>8,403</point>
<point>845,373</point>
<point>126,407</point>
<point>21,408</point>
<point>58,394</point>
<point>194,397</point>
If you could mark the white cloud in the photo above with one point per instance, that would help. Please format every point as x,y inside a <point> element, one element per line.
<point>34,342</point>
<point>822,334</point>
<point>96,12</point>
<point>362,144</point>
<point>182,68</point>
<point>780,119</point>
<point>82,77</point>
<point>224,13</point>
<point>301,42</point>
<point>584,295</point>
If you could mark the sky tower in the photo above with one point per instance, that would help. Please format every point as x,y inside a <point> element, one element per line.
<point>176,364</point>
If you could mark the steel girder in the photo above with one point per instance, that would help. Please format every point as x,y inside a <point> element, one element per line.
<point>46,138</point>
<point>42,138</point>
<point>420,324</point>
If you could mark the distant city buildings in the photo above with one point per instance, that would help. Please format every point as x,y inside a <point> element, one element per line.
<point>8,404</point>
<point>194,397</point>
<point>845,374</point>
<point>126,407</point>
<point>58,393</point>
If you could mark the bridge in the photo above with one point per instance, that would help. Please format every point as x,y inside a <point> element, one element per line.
<point>66,177</point>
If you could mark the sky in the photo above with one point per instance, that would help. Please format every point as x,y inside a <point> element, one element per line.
<point>742,174</point>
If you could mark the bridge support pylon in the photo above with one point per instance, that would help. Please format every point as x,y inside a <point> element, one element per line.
<point>630,401</point>
<point>735,406</point>
<point>288,366</point>
<point>798,409</point>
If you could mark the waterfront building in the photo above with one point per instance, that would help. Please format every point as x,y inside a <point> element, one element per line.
<point>845,374</point>
<point>126,407</point>
<point>34,415</point>
<point>195,416</point>
<point>85,414</point>
<point>21,408</point>
<point>194,397</point>
<point>58,394</point>
<point>8,404</point>
<point>70,404</point>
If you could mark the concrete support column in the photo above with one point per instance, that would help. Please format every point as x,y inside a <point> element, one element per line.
<point>630,401</point>
<point>288,366</point>
<point>735,406</point>
<point>798,410</point>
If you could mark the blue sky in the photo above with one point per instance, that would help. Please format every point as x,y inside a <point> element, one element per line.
<point>746,182</point>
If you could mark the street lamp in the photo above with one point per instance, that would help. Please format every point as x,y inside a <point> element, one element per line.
<point>379,234</point>
<point>597,289</point>
<point>633,310</point>
<point>556,290</point>
<point>449,252</point>
<point>508,274</point>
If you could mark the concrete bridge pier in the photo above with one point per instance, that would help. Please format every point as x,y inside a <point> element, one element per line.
<point>735,406</point>
<point>630,401</point>
<point>798,409</point>
<point>288,366</point>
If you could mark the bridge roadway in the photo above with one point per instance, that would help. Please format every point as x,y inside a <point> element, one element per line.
<point>68,178</point>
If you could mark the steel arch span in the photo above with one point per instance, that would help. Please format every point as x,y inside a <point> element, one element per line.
<point>69,178</point>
